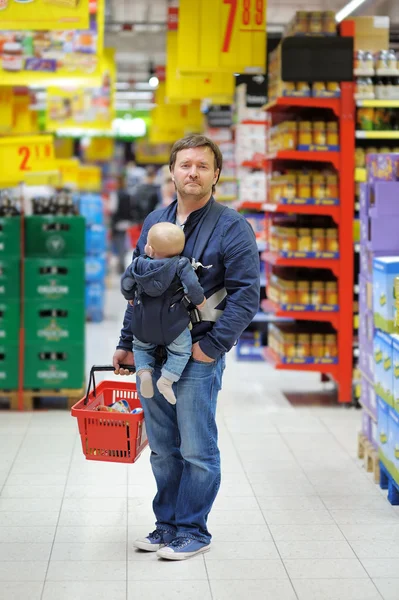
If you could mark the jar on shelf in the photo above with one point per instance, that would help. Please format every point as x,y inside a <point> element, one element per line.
<point>305,133</point>
<point>288,345</point>
<point>290,135</point>
<point>331,293</point>
<point>365,119</point>
<point>332,240</point>
<point>329,22</point>
<point>303,345</point>
<point>315,22</point>
<point>289,242</point>
<point>333,87</point>
<point>303,292</point>
<point>304,186</point>
<point>318,240</point>
<point>382,60</point>
<point>274,238</point>
<point>288,293</point>
<point>318,88</point>
<point>332,186</point>
<point>368,61</point>
<point>332,133</point>
<point>319,133</point>
<point>358,63</point>
<point>303,87</point>
<point>301,22</point>
<point>304,239</point>
<point>318,186</point>
<point>317,293</point>
<point>289,187</point>
<point>392,62</point>
<point>317,345</point>
<point>330,346</point>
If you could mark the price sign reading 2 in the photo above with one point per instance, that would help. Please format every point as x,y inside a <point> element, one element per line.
<point>26,153</point>
<point>252,14</point>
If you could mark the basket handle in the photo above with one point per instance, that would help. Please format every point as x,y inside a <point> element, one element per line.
<point>92,380</point>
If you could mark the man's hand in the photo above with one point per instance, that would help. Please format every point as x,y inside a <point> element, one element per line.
<point>199,355</point>
<point>122,357</point>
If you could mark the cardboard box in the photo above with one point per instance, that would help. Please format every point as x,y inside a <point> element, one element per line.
<point>383,432</point>
<point>393,442</point>
<point>383,369</point>
<point>395,366</point>
<point>371,33</point>
<point>385,269</point>
<point>382,167</point>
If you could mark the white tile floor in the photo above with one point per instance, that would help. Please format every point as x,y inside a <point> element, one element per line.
<point>296,518</point>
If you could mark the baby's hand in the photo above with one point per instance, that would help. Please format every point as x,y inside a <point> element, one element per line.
<point>131,302</point>
<point>201,306</point>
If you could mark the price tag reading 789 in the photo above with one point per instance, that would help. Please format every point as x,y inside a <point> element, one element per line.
<point>250,15</point>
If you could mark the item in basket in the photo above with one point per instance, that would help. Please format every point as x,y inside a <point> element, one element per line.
<point>317,345</point>
<point>303,345</point>
<point>303,292</point>
<point>317,293</point>
<point>304,239</point>
<point>331,240</point>
<point>305,133</point>
<point>318,240</point>
<point>304,187</point>
<point>121,406</point>
<point>331,295</point>
<point>137,411</point>
<point>319,133</point>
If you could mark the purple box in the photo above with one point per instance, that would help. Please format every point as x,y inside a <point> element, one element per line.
<point>383,235</point>
<point>366,425</point>
<point>364,200</point>
<point>365,294</point>
<point>374,432</point>
<point>384,199</point>
<point>382,167</point>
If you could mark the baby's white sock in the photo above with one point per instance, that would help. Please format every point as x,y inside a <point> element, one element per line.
<point>146,387</point>
<point>165,387</point>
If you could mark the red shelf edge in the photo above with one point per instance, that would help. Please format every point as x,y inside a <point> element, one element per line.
<point>332,157</point>
<point>303,209</point>
<point>333,104</point>
<point>315,263</point>
<point>329,317</point>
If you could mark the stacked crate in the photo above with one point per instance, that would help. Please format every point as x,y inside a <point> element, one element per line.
<point>54,302</point>
<point>10,262</point>
<point>91,207</point>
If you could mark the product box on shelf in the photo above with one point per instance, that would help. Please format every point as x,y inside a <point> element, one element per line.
<point>9,366</point>
<point>10,236</point>
<point>366,425</point>
<point>368,396</point>
<point>54,322</point>
<point>95,268</point>
<point>383,432</point>
<point>374,432</point>
<point>365,293</point>
<point>385,269</point>
<point>395,364</point>
<point>9,322</point>
<point>47,368</point>
<point>95,301</point>
<point>393,442</point>
<point>92,209</point>
<point>9,278</point>
<point>382,167</point>
<point>54,235</point>
<point>385,199</point>
<point>383,366</point>
<point>96,239</point>
<point>54,278</point>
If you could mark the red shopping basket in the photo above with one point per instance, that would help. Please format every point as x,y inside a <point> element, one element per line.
<point>110,436</point>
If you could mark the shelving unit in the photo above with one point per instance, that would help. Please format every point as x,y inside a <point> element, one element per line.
<point>342,267</point>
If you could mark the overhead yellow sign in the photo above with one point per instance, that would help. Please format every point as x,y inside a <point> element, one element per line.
<point>214,86</point>
<point>21,157</point>
<point>49,57</point>
<point>44,14</point>
<point>85,108</point>
<point>69,171</point>
<point>99,149</point>
<point>6,110</point>
<point>222,35</point>
<point>172,121</point>
<point>89,178</point>
<point>152,153</point>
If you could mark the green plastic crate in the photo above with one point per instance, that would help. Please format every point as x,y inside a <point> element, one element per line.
<point>56,236</point>
<point>10,236</point>
<point>55,279</point>
<point>9,322</point>
<point>54,322</point>
<point>9,367</point>
<point>54,369</point>
<point>10,278</point>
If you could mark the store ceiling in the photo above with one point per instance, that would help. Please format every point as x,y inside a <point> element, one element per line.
<point>136,29</point>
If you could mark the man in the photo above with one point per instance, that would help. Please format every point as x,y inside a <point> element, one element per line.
<point>183,438</point>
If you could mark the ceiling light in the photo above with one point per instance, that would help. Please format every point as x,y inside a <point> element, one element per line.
<point>153,81</point>
<point>348,9</point>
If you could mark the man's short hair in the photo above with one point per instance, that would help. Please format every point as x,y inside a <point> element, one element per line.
<point>197,141</point>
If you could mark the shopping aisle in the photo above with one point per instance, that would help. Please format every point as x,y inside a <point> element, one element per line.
<point>297,517</point>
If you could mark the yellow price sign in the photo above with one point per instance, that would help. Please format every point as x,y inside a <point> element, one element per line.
<point>233,40</point>
<point>89,178</point>
<point>21,157</point>
<point>44,14</point>
<point>69,169</point>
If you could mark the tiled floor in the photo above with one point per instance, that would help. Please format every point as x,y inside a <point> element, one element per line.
<point>296,518</point>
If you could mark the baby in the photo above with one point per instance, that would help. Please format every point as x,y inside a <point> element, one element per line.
<point>159,286</point>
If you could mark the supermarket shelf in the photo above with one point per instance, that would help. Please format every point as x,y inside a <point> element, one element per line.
<point>360,175</point>
<point>367,410</point>
<point>313,263</point>
<point>250,206</point>
<point>378,103</point>
<point>377,135</point>
<point>310,102</point>
<point>254,164</point>
<point>305,209</point>
<point>273,307</point>
<point>306,155</point>
<point>274,359</point>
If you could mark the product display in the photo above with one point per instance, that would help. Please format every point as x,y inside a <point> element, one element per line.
<point>304,186</point>
<point>377,119</point>
<point>303,291</point>
<point>312,23</point>
<point>304,135</point>
<point>287,239</point>
<point>305,344</point>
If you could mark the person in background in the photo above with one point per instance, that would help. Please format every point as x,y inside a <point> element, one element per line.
<point>168,189</point>
<point>122,218</point>
<point>183,438</point>
<point>134,176</point>
<point>146,195</point>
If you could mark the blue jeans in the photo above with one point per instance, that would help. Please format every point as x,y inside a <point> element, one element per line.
<point>178,354</point>
<point>185,457</point>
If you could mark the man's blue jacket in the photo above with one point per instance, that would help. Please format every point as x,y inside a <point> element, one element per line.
<point>231,284</point>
